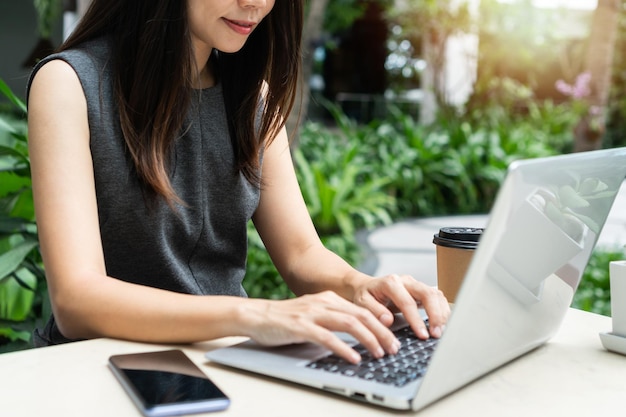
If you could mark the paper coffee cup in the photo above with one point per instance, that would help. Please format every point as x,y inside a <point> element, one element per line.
<point>455,248</point>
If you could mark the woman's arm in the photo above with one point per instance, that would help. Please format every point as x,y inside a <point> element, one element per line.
<point>308,267</point>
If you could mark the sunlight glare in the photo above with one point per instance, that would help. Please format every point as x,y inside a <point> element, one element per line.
<point>553,4</point>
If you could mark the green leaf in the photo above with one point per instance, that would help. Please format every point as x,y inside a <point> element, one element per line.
<point>11,260</point>
<point>17,295</point>
<point>6,126</point>
<point>11,185</point>
<point>570,198</point>
<point>15,335</point>
<point>592,186</point>
<point>24,205</point>
<point>12,151</point>
<point>4,89</point>
<point>591,223</point>
<point>11,225</point>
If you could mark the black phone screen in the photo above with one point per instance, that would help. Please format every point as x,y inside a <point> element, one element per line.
<point>167,383</point>
<point>160,387</point>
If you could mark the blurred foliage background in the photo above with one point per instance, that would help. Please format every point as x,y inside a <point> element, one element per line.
<point>364,154</point>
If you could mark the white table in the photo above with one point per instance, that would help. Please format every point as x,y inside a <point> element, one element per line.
<point>572,375</point>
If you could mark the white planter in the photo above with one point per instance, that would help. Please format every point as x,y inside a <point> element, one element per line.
<point>617,270</point>
<point>615,341</point>
<point>522,261</point>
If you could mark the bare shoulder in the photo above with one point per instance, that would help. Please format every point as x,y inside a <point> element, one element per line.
<point>56,80</point>
<point>56,96</point>
<point>57,109</point>
<point>55,70</point>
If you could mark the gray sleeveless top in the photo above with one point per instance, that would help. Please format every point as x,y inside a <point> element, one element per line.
<point>199,250</point>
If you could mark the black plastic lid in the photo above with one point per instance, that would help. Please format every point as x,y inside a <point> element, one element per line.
<point>458,237</point>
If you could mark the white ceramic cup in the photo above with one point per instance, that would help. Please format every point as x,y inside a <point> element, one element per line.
<point>617,271</point>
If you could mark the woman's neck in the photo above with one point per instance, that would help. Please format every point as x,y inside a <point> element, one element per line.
<point>206,77</point>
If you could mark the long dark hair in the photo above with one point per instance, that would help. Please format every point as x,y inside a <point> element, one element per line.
<point>153,65</point>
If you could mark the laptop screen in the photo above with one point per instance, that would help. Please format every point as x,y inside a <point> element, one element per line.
<point>541,233</point>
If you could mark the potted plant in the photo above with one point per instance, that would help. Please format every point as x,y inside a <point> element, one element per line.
<point>563,211</point>
<point>565,205</point>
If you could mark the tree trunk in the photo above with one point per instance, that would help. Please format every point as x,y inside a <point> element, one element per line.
<point>313,26</point>
<point>433,78</point>
<point>598,62</point>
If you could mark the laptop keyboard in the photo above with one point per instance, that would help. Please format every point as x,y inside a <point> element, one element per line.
<point>407,365</point>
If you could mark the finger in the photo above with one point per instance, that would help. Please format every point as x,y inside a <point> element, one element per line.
<point>367,329</point>
<point>311,318</point>
<point>322,333</point>
<point>434,303</point>
<point>359,322</point>
<point>399,291</point>
<point>378,309</point>
<point>445,308</point>
<point>330,341</point>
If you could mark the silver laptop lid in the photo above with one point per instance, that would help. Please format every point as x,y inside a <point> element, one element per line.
<point>542,229</point>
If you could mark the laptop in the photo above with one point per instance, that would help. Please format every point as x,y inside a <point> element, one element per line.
<point>540,234</point>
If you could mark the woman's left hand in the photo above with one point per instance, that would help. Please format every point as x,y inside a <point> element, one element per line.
<point>393,293</point>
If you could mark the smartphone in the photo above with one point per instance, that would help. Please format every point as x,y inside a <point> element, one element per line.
<point>167,383</point>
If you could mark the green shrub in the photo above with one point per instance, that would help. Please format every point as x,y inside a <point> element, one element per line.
<point>340,201</point>
<point>23,295</point>
<point>454,166</point>
<point>594,293</point>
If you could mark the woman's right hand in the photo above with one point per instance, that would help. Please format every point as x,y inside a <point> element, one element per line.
<point>314,318</point>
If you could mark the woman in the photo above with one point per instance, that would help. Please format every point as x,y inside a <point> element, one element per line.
<point>156,133</point>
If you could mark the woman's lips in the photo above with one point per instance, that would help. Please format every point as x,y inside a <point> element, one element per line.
<point>239,26</point>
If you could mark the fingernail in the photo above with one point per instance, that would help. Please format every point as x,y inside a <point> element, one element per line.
<point>436,332</point>
<point>355,357</point>
<point>380,353</point>
<point>386,318</point>
<point>395,346</point>
<point>424,333</point>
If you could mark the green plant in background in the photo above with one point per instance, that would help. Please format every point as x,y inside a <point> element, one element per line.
<point>22,284</point>
<point>616,125</point>
<point>48,12</point>
<point>339,201</point>
<point>342,191</point>
<point>454,166</point>
<point>594,293</point>
<point>503,105</point>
